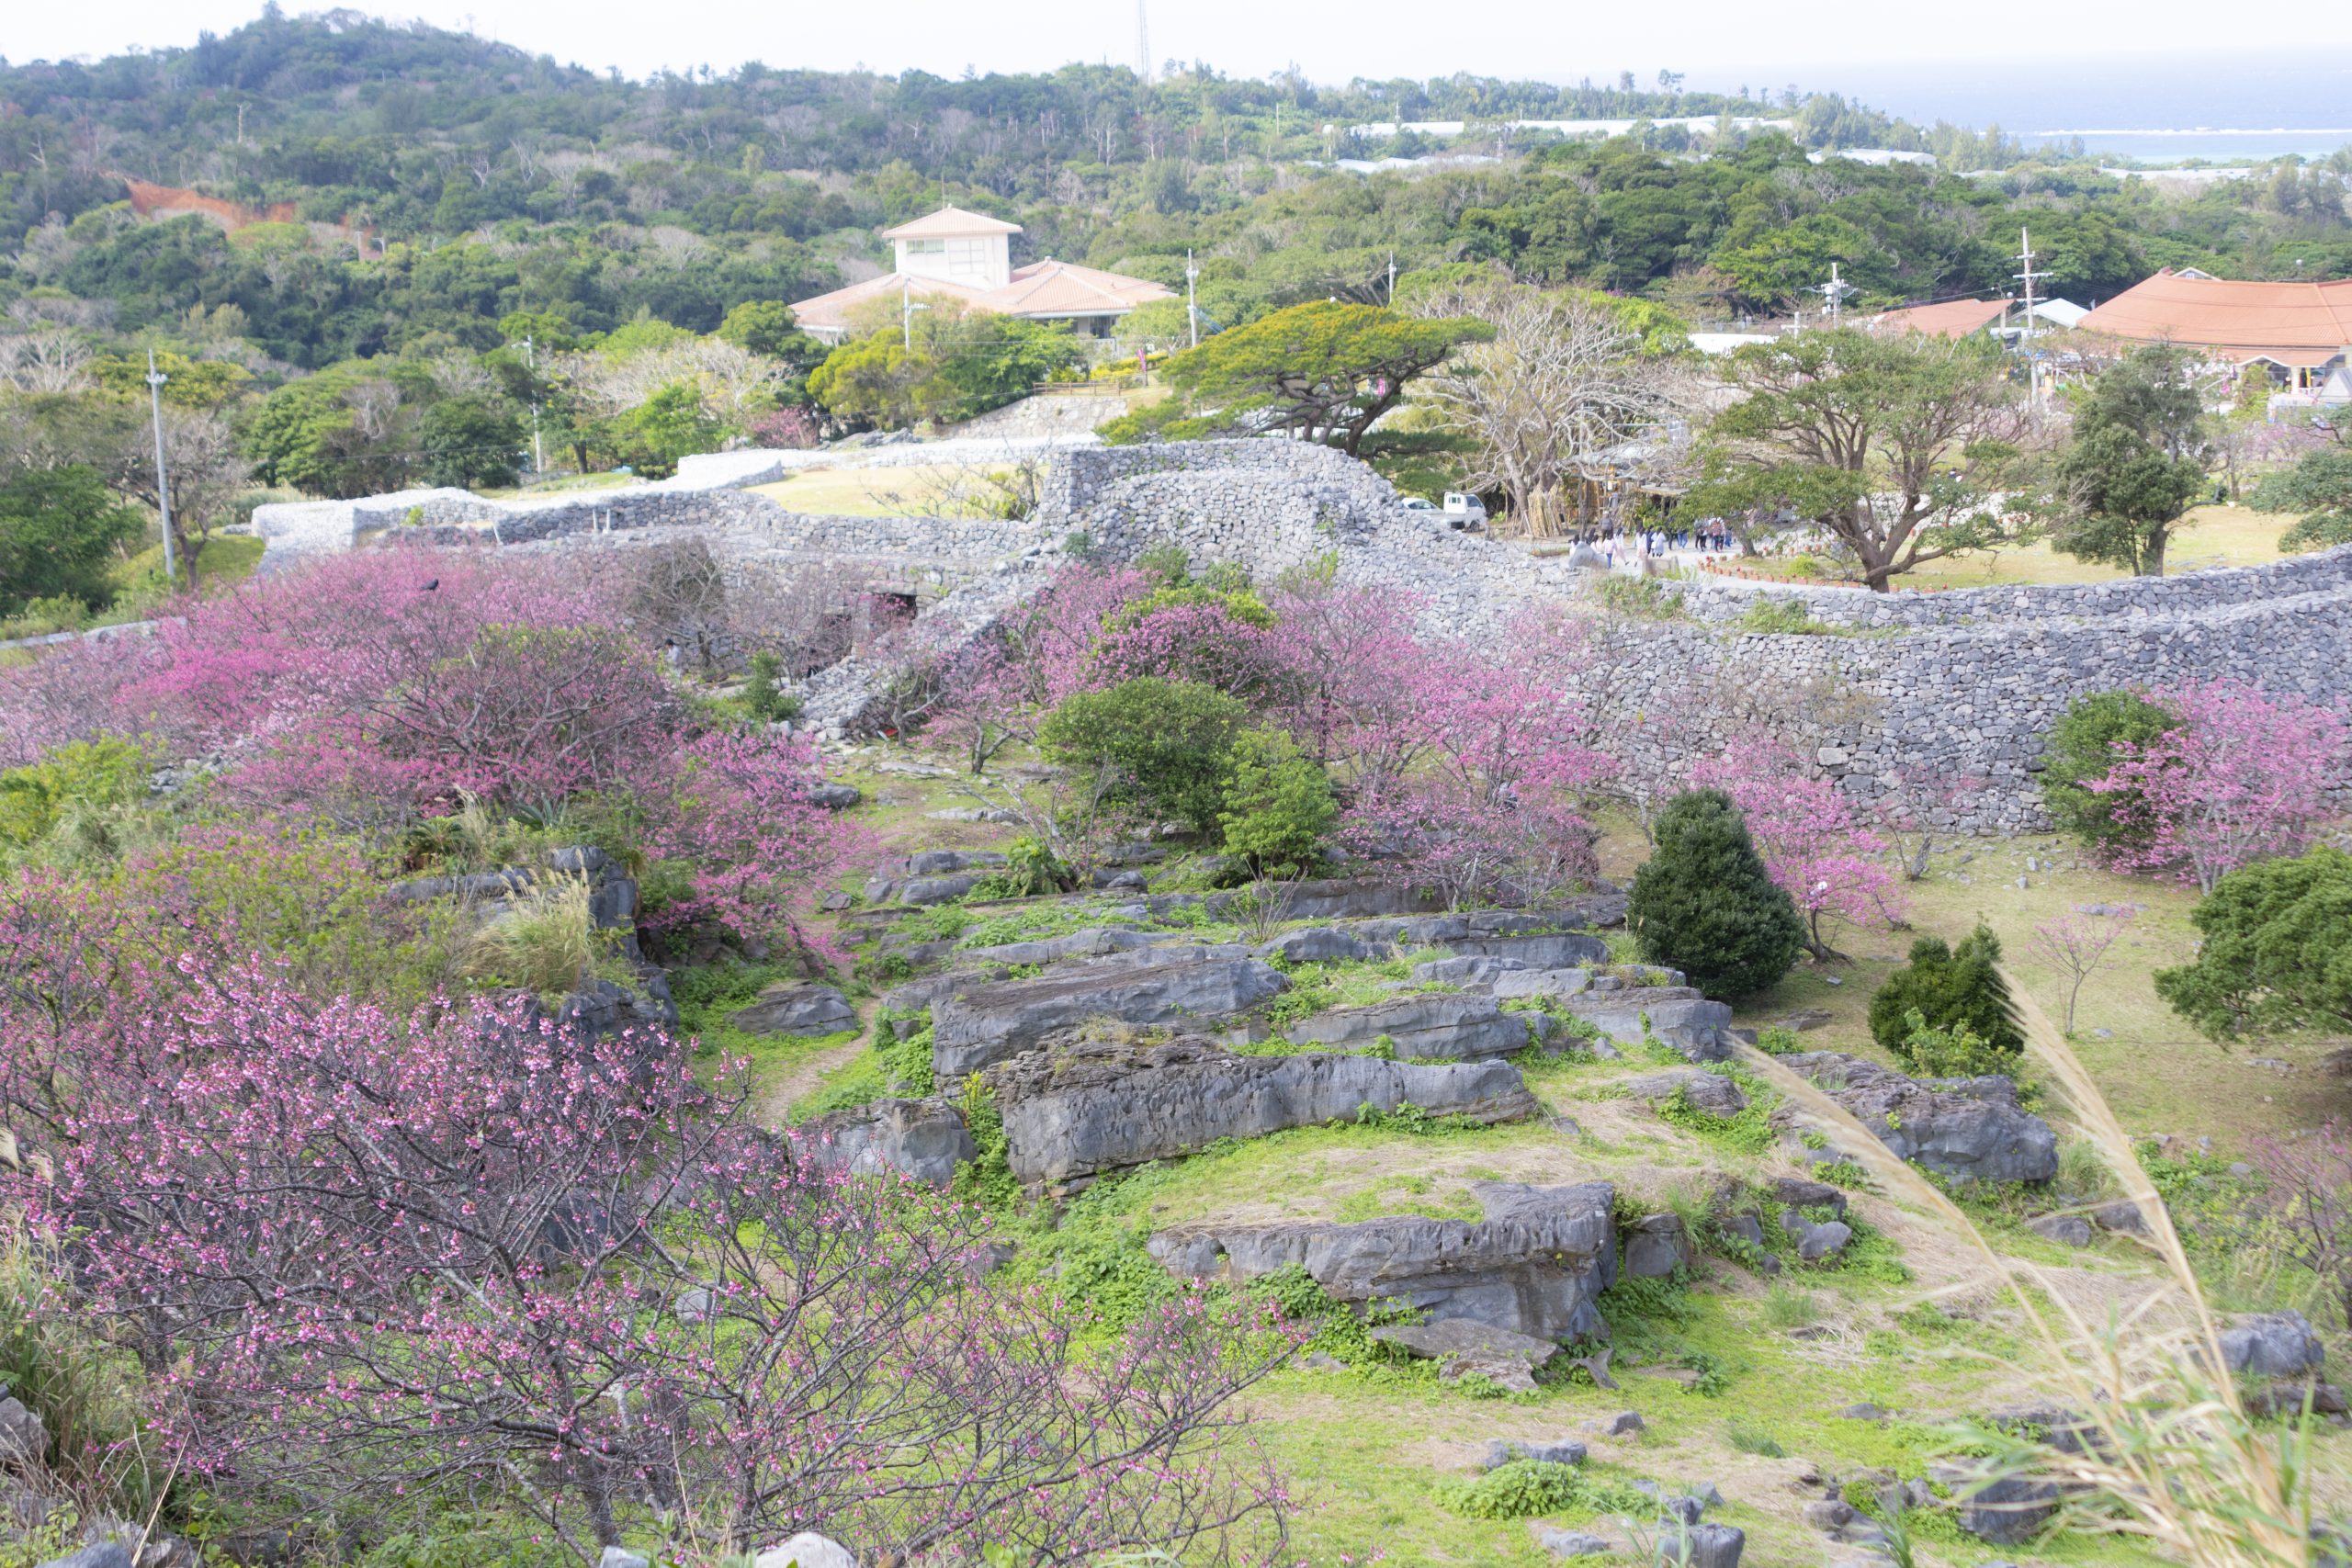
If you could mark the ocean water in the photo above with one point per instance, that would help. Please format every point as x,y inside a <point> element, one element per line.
<point>2156,108</point>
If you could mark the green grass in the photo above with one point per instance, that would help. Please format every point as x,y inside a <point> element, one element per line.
<point>225,560</point>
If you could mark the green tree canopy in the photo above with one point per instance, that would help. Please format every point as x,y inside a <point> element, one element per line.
<point>472,441</point>
<point>2320,487</point>
<point>59,528</point>
<point>1325,371</point>
<point>1900,447</point>
<point>2136,461</point>
<point>2277,953</point>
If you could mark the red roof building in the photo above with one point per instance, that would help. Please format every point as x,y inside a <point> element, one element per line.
<point>1954,319</point>
<point>2303,329</point>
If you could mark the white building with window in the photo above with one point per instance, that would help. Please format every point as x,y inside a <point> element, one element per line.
<point>969,256</point>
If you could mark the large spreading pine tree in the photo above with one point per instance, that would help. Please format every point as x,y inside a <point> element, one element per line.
<point>1705,905</point>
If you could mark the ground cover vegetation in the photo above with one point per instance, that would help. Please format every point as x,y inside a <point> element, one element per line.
<point>232,934</point>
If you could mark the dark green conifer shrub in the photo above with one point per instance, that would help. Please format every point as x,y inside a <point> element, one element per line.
<point>1704,904</point>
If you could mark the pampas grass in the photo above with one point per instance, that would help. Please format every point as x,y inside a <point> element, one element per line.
<point>2167,1452</point>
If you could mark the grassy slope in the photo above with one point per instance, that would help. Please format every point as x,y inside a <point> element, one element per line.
<point>2210,535</point>
<point>1363,1455</point>
<point>900,491</point>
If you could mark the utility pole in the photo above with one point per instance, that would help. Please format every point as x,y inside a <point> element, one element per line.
<point>155,379</point>
<point>1191,300</point>
<point>538,457</point>
<point>2033,365</point>
<point>1835,291</point>
<point>1143,44</point>
<point>907,308</point>
<point>1392,279</point>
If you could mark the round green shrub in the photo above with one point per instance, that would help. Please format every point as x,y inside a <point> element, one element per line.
<point>1955,989</point>
<point>1278,805</point>
<point>1705,905</point>
<point>2277,953</point>
<point>1170,739</point>
<point>2081,747</point>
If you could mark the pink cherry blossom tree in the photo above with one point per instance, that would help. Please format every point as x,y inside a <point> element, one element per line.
<point>370,1260</point>
<point>1832,866</point>
<point>758,853</point>
<point>2243,776</point>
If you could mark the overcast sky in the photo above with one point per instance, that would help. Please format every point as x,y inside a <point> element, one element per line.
<point>1720,43</point>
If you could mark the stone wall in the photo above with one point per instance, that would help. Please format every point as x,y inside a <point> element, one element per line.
<point>1921,687</point>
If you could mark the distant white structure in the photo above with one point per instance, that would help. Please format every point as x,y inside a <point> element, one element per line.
<point>1877,157</point>
<point>1725,342</point>
<point>2063,314</point>
<point>1705,123</point>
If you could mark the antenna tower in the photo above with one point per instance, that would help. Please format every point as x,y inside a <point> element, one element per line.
<point>1835,292</point>
<point>1143,42</point>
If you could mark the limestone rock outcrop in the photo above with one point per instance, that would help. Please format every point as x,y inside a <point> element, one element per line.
<point>1077,1111</point>
<point>1534,1265</point>
<point>1968,1129</point>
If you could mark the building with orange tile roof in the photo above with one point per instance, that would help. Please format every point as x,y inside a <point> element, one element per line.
<point>1954,319</point>
<point>966,257</point>
<point>2302,330</point>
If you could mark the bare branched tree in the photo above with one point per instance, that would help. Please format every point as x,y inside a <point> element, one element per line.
<point>1562,378</point>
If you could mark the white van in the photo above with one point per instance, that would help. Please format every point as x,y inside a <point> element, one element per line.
<point>1464,510</point>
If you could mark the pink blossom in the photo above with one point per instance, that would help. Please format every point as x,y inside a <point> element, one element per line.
<point>2242,777</point>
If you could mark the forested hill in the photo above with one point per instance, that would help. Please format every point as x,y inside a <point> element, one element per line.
<point>413,186</point>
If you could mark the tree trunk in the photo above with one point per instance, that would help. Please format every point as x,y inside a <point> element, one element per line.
<point>2152,559</point>
<point>188,552</point>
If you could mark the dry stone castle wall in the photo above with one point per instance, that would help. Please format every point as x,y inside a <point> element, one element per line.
<point>1946,687</point>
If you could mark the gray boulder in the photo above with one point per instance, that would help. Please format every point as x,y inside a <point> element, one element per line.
<point>938,862</point>
<point>985,1024</point>
<point>1095,941</point>
<point>1801,1192</point>
<point>1967,1129</point>
<point>1319,944</point>
<point>1540,983</point>
<point>1547,950</point>
<point>100,1554</point>
<point>1573,1543</point>
<point>1335,898</point>
<point>924,891</point>
<point>615,1557</point>
<point>2009,1511</point>
<point>1826,1240</point>
<point>924,1140</point>
<point>797,1009</point>
<point>835,796</point>
<point>807,1549</point>
<point>1464,1347</point>
<point>1655,1246</point>
<point>601,1007</point>
<point>24,1436</point>
<point>2272,1344</point>
<point>1501,1452</point>
<point>1533,1265</point>
<point>1472,971</point>
<point>1712,1094</point>
<point>2067,1230</point>
<point>1079,1109</point>
<point>1677,1016</point>
<point>1685,1545</point>
<point>1432,1026</point>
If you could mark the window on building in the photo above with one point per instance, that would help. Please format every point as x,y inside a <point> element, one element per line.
<point>925,247</point>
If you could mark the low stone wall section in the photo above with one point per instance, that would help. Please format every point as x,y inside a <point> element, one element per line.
<point>1952,686</point>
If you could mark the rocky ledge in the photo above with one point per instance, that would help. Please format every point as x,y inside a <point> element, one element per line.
<point>1077,1111</point>
<point>1968,1129</point>
<point>985,1025</point>
<point>1534,1265</point>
